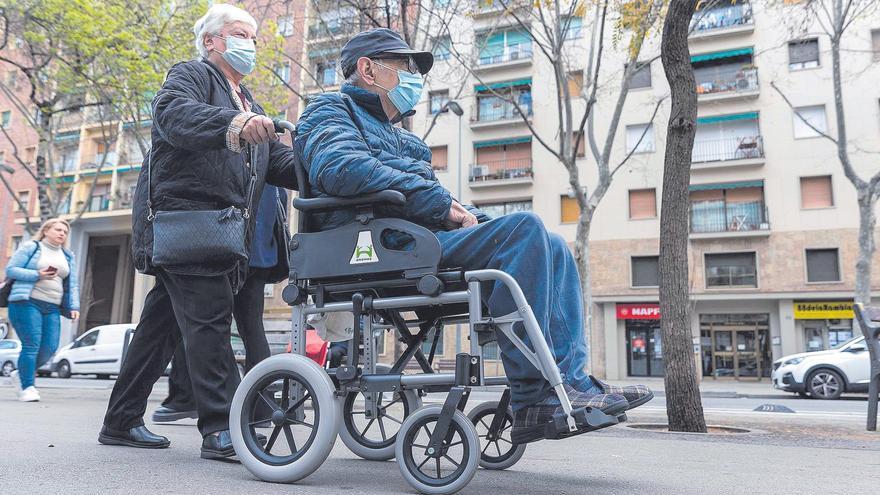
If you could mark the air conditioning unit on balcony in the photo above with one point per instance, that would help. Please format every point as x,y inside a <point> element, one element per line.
<point>478,172</point>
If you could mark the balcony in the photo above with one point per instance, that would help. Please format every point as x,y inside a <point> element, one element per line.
<point>512,56</point>
<point>336,27</point>
<point>99,202</point>
<point>493,114</point>
<point>723,20</point>
<point>501,173</point>
<point>736,151</point>
<point>717,219</point>
<point>727,84</point>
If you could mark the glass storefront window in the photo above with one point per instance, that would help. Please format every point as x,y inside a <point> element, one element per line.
<point>735,345</point>
<point>644,345</point>
<point>821,335</point>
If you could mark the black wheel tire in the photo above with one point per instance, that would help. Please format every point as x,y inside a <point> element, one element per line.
<point>8,368</point>
<point>64,369</point>
<point>507,452</point>
<point>825,384</point>
<point>803,395</point>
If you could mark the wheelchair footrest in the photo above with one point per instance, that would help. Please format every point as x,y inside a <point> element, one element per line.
<point>587,419</point>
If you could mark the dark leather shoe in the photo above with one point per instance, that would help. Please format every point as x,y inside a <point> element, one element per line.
<point>165,414</point>
<point>217,446</point>
<point>139,436</point>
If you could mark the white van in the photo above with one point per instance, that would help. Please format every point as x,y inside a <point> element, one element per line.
<point>96,352</point>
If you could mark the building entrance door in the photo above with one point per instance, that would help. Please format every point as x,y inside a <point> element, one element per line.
<point>107,283</point>
<point>736,346</point>
<point>644,345</point>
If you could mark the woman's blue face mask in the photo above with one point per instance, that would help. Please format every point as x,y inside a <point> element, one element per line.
<point>241,54</point>
<point>408,91</point>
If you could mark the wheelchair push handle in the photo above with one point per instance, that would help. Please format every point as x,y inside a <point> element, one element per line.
<point>283,125</point>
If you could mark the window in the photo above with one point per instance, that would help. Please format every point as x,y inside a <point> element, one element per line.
<point>731,270</point>
<point>282,72</point>
<point>642,77</point>
<point>442,48</point>
<point>285,25</point>
<point>438,99</point>
<point>581,144</point>
<point>30,154</point>
<point>5,119</point>
<point>875,43</point>
<point>325,73</point>
<point>495,210</point>
<point>88,339</point>
<point>491,107</point>
<point>14,243</point>
<point>815,115</point>
<point>573,27</point>
<point>640,138</point>
<point>268,290</point>
<point>823,265</point>
<point>504,46</point>
<point>569,211</point>
<point>440,158</point>
<point>575,83</point>
<point>24,198</point>
<point>645,271</point>
<point>429,342</point>
<point>816,192</point>
<point>642,204</point>
<point>803,54</point>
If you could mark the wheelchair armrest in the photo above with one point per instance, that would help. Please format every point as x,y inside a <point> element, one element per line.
<point>393,198</point>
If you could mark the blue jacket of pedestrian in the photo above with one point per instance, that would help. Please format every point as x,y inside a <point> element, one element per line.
<point>22,268</point>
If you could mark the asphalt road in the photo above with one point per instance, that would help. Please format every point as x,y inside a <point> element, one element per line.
<point>51,447</point>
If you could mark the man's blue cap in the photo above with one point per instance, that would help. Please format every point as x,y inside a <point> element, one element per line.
<point>377,42</point>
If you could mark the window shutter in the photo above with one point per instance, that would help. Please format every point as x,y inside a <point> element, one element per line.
<point>803,51</point>
<point>816,192</point>
<point>643,204</point>
<point>440,157</point>
<point>645,271</point>
<point>822,265</point>
<point>569,209</point>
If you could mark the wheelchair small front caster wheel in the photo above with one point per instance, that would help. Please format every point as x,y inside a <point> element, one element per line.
<point>290,399</point>
<point>438,473</point>
<point>373,438</point>
<point>499,452</point>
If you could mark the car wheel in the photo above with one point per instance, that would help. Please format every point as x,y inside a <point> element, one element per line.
<point>64,369</point>
<point>8,368</point>
<point>825,384</point>
<point>803,395</point>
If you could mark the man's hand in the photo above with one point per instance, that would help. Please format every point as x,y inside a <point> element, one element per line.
<point>258,130</point>
<point>459,217</point>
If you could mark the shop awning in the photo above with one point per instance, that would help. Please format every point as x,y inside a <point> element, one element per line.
<point>505,84</point>
<point>726,185</point>
<point>67,136</point>
<point>502,142</point>
<point>727,118</point>
<point>722,54</point>
<point>324,52</point>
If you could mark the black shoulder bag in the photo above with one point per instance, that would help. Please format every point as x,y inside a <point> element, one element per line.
<point>6,290</point>
<point>199,237</point>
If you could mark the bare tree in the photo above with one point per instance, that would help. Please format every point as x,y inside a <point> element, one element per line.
<point>684,408</point>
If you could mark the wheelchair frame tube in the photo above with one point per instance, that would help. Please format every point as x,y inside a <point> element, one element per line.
<point>393,303</point>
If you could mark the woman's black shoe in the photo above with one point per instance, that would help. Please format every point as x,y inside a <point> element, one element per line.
<point>139,436</point>
<point>165,414</point>
<point>217,446</point>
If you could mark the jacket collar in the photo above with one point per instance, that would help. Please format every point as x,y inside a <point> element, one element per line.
<point>221,78</point>
<point>366,100</point>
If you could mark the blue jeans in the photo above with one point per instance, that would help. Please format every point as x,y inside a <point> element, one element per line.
<point>541,262</point>
<point>38,325</point>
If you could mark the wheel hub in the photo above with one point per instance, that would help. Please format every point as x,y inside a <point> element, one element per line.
<point>278,417</point>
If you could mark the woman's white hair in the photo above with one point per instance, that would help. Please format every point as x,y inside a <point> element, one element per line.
<point>213,20</point>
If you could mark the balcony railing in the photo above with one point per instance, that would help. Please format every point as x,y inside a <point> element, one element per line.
<point>720,216</point>
<point>521,51</point>
<point>343,25</point>
<point>99,203</point>
<point>727,81</point>
<point>735,148</point>
<point>501,170</point>
<point>721,16</point>
<point>505,111</point>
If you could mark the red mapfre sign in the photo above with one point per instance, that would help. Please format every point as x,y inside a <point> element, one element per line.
<point>638,311</point>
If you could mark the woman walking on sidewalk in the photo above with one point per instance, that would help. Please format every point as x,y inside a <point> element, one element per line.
<point>45,288</point>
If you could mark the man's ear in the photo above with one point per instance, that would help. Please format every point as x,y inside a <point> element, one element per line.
<point>366,69</point>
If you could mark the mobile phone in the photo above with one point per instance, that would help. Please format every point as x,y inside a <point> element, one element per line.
<point>51,268</point>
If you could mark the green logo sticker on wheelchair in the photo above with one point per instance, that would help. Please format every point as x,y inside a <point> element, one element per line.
<point>364,251</point>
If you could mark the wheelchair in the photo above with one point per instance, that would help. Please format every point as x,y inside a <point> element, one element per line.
<point>376,409</point>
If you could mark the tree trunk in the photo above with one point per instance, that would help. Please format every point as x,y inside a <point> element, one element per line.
<point>41,169</point>
<point>582,258</point>
<point>683,406</point>
<point>867,222</point>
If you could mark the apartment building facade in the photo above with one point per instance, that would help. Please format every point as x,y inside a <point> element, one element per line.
<point>773,219</point>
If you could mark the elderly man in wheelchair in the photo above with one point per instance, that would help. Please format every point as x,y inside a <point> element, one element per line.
<point>381,241</point>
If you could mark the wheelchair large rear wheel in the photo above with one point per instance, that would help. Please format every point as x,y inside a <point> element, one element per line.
<point>498,451</point>
<point>450,470</point>
<point>291,400</point>
<point>373,438</point>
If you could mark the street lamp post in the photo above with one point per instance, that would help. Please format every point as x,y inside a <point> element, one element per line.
<point>455,108</point>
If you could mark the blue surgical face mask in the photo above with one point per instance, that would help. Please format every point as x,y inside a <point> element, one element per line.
<point>408,91</point>
<point>241,54</point>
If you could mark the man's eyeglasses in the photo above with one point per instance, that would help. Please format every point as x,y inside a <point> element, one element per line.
<point>411,65</point>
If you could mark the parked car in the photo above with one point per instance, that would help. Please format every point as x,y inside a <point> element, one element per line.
<point>9,351</point>
<point>825,374</point>
<point>96,352</point>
